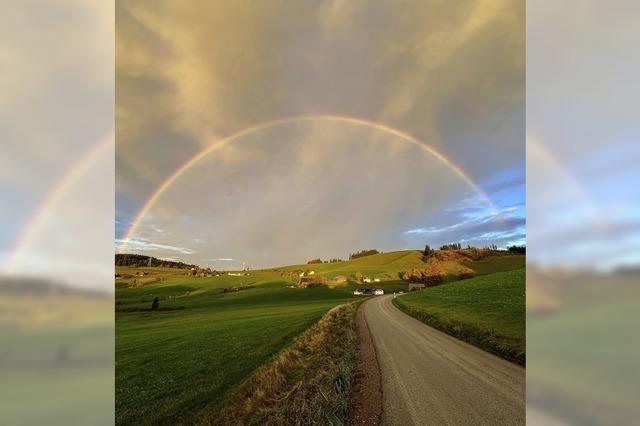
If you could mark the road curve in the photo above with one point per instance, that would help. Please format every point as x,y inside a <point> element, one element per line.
<point>431,378</point>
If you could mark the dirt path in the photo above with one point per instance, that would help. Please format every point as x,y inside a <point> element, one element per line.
<point>430,378</point>
<point>365,400</point>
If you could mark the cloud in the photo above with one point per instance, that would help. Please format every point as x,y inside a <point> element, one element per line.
<point>143,245</point>
<point>190,75</point>
<point>417,231</point>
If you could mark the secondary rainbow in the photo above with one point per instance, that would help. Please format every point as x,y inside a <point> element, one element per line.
<point>299,119</point>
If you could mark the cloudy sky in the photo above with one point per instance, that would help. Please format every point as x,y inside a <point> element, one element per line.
<point>189,74</point>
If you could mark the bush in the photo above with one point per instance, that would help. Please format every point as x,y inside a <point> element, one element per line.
<point>155,304</point>
<point>517,249</point>
<point>466,273</point>
<point>433,274</point>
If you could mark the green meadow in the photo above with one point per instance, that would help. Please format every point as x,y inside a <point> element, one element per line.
<point>488,311</point>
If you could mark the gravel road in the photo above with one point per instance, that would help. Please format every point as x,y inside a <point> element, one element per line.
<point>430,378</point>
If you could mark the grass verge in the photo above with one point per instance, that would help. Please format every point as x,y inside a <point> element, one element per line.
<point>487,312</point>
<point>306,383</point>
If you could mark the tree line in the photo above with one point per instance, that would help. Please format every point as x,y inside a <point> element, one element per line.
<point>318,260</point>
<point>428,251</point>
<point>138,260</point>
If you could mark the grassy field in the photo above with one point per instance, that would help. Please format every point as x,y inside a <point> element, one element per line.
<point>192,355</point>
<point>487,311</point>
<point>171,364</point>
<point>491,265</point>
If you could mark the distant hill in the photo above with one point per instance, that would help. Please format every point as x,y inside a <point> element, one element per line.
<point>391,266</point>
<point>137,260</point>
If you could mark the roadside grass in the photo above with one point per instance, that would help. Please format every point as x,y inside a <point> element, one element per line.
<point>487,311</point>
<point>306,383</point>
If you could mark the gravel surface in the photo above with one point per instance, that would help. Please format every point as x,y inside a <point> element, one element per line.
<point>431,378</point>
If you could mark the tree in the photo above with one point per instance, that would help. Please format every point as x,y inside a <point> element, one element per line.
<point>358,276</point>
<point>428,251</point>
<point>451,246</point>
<point>155,304</point>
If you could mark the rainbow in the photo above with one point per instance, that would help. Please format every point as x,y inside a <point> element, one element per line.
<point>299,119</point>
<point>53,197</point>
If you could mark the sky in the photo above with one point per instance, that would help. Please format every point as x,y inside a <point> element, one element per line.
<point>449,76</point>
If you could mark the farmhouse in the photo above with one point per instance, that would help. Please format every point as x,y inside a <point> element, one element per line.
<point>416,286</point>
